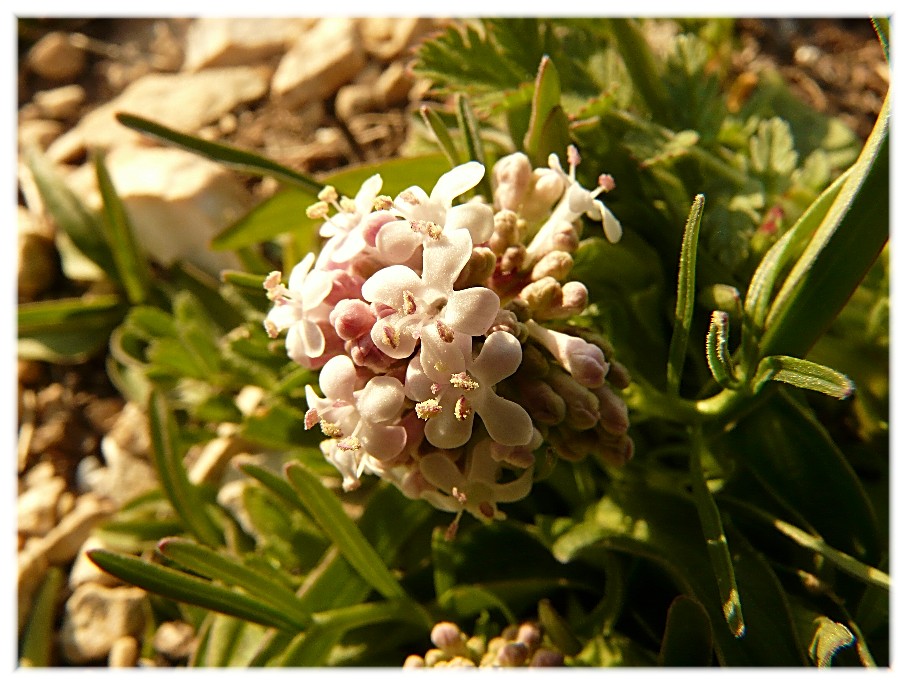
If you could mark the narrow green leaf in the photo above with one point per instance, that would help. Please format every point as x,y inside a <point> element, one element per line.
<point>181,586</point>
<point>183,495</point>
<point>219,566</point>
<point>842,250</point>
<point>72,314</point>
<point>830,637</point>
<point>248,281</point>
<point>687,641</point>
<point>442,562</point>
<point>642,67</point>
<point>465,600</point>
<point>717,353</point>
<point>78,223</point>
<point>882,28</point>
<point>718,549</point>
<point>471,132</point>
<point>326,509</point>
<point>546,131</point>
<point>804,374</point>
<point>241,160</point>
<point>558,629</point>
<point>685,296</point>
<point>442,135</point>
<point>37,639</point>
<point>131,263</point>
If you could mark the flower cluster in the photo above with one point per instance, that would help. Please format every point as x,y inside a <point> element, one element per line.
<point>441,331</point>
<point>522,645</point>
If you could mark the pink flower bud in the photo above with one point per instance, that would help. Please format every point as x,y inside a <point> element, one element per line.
<point>556,264</point>
<point>512,176</point>
<point>584,361</point>
<point>352,318</point>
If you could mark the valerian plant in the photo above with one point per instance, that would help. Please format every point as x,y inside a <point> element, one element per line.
<point>585,385</point>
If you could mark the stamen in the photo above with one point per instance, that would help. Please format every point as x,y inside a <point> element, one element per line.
<point>390,336</point>
<point>311,418</point>
<point>428,408</point>
<point>272,280</point>
<point>572,156</point>
<point>487,510</point>
<point>464,381</point>
<point>409,197</point>
<point>349,444</point>
<point>408,303</point>
<point>462,410</point>
<point>271,328</point>
<point>606,182</point>
<point>318,210</point>
<point>331,429</point>
<point>328,194</point>
<point>429,228</point>
<point>435,388</point>
<point>347,205</point>
<point>382,203</point>
<point>458,495</point>
<point>445,331</point>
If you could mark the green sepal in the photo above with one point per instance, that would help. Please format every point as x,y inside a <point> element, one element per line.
<point>803,374</point>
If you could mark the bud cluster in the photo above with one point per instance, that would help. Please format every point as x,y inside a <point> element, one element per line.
<point>442,334</point>
<point>517,646</point>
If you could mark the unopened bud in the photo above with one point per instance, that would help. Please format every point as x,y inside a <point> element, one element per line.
<point>583,360</point>
<point>413,662</point>
<point>546,188</point>
<point>556,264</point>
<point>513,654</point>
<point>506,231</point>
<point>448,637</point>
<point>512,259</point>
<point>512,176</point>
<point>619,375</point>
<point>614,413</point>
<point>541,296</point>
<point>545,657</point>
<point>478,268</point>
<point>352,318</point>
<point>581,403</point>
<point>542,402</point>
<point>529,634</point>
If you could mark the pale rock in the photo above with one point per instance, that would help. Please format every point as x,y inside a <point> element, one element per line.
<point>31,566</point>
<point>319,62</point>
<point>329,145</point>
<point>174,640</point>
<point>354,99</point>
<point>123,652</point>
<point>39,133</point>
<point>184,102</point>
<point>226,41</point>
<point>84,571</point>
<point>124,476</point>
<point>212,459</point>
<point>96,616</point>
<point>36,507</point>
<point>387,37</point>
<point>131,430</point>
<point>55,58</point>
<point>60,103</point>
<point>393,85</point>
<point>63,542</point>
<point>176,202</point>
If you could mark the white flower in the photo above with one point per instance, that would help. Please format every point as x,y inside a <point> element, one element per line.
<point>298,308</point>
<point>361,421</point>
<point>429,300</point>
<point>427,216</point>
<point>476,490</point>
<point>345,228</point>
<point>453,390</point>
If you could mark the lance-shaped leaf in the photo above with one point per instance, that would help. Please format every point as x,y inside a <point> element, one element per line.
<point>219,566</point>
<point>804,374</point>
<point>685,296</point>
<point>183,495</point>
<point>131,263</point>
<point>441,135</point>
<point>642,66</point>
<point>181,586</point>
<point>687,638</point>
<point>839,254</point>
<point>548,129</point>
<point>558,629</point>
<point>241,160</point>
<point>468,124</point>
<point>717,352</point>
<point>830,637</point>
<point>68,330</point>
<point>326,509</point>
<point>713,529</point>
<point>37,639</point>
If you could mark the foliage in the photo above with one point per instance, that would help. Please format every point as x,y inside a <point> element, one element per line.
<point>747,529</point>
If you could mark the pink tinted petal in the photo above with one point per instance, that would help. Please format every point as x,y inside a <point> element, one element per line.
<point>613,231</point>
<point>297,275</point>
<point>387,285</point>
<point>396,241</point>
<point>456,181</point>
<point>380,400</point>
<point>506,421</point>
<point>443,259</point>
<point>445,431</point>
<point>315,289</point>
<point>478,218</point>
<point>405,341</point>
<point>441,359</point>
<point>338,378</point>
<point>348,247</point>
<point>498,359</point>
<point>284,315</point>
<point>305,339</point>
<point>472,310</point>
<point>418,384</point>
<point>383,441</point>
<point>364,199</point>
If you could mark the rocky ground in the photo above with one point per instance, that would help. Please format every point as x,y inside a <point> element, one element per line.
<point>311,94</point>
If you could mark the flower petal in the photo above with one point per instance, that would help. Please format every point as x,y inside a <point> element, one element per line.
<point>305,339</point>
<point>380,400</point>
<point>498,359</point>
<point>613,231</point>
<point>440,471</point>
<point>383,441</point>
<point>396,241</point>
<point>457,181</point>
<point>444,259</point>
<point>300,270</point>
<point>364,199</point>
<point>472,310</point>
<point>445,431</point>
<point>506,421</point>
<point>338,378</point>
<point>478,218</point>
<point>387,285</point>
